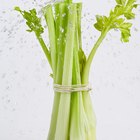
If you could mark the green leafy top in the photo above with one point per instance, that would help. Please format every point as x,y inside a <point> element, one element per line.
<point>33,22</point>
<point>116,21</point>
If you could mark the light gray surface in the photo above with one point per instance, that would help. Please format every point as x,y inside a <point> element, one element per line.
<point>26,94</point>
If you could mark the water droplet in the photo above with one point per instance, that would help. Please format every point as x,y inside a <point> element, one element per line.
<point>3,12</point>
<point>45,26</point>
<point>61,30</point>
<point>110,34</point>
<point>63,15</point>
<point>116,29</point>
<point>84,37</point>
<point>8,101</point>
<point>92,19</point>
<point>2,98</point>
<point>3,75</point>
<point>87,27</point>
<point>47,83</point>
<point>10,48</point>
<point>7,87</point>
<point>21,21</point>
<point>15,72</point>
<point>113,85</point>
<point>13,109</point>
<point>106,39</point>
<point>70,25</point>
<point>91,37</point>
<point>68,6</point>
<point>135,29</point>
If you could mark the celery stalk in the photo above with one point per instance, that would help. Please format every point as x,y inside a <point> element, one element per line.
<point>73,116</point>
<point>79,11</point>
<point>44,48</point>
<point>48,13</point>
<point>77,120</point>
<point>62,127</point>
<point>60,21</point>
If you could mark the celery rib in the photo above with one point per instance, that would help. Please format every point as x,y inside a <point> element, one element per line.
<point>62,127</point>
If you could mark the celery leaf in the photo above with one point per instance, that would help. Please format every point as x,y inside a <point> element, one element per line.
<point>32,21</point>
<point>117,19</point>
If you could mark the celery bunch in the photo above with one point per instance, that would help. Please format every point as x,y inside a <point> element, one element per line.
<point>73,117</point>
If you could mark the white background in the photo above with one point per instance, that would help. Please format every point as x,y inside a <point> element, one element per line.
<point>26,94</point>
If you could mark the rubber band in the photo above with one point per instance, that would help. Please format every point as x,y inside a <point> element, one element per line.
<point>71,88</point>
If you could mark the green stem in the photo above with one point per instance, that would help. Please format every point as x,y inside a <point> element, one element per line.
<point>45,49</point>
<point>86,70</point>
<point>48,13</point>
<point>60,21</point>
<point>62,128</point>
<point>68,1</point>
<point>79,11</point>
<point>61,27</point>
<point>57,8</point>
<point>86,97</point>
<point>77,120</point>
